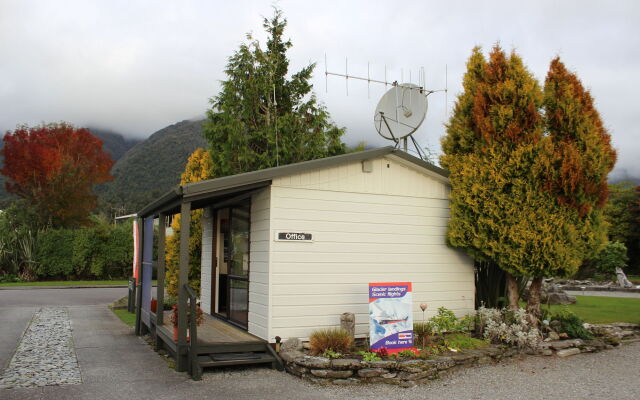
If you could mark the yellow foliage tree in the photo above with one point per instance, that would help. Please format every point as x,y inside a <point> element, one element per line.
<point>198,168</point>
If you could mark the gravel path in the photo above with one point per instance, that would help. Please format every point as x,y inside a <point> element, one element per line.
<point>45,355</point>
<point>603,293</point>
<point>611,374</point>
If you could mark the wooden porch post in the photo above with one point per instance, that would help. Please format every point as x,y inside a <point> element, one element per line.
<point>138,326</point>
<point>161,267</point>
<point>183,278</point>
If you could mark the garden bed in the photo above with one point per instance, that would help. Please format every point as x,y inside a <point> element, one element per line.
<point>408,372</point>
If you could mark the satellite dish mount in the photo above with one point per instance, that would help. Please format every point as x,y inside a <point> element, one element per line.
<point>401,110</point>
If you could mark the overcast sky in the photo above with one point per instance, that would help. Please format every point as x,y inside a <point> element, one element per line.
<point>138,66</point>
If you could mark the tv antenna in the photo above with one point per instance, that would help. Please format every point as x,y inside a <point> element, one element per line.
<point>401,110</point>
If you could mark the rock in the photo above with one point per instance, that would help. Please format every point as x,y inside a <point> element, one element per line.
<point>296,369</point>
<point>289,356</point>
<point>596,344</point>
<point>345,363</point>
<point>442,363</point>
<point>371,372</point>
<point>382,364</point>
<point>626,325</point>
<point>558,345</point>
<point>306,346</point>
<point>291,344</point>
<point>559,298</point>
<point>563,335</point>
<point>551,293</point>
<point>462,358</point>
<point>313,362</point>
<point>329,373</point>
<point>416,375</point>
<point>553,336</point>
<point>389,375</point>
<point>350,381</point>
<point>622,279</point>
<point>411,365</point>
<point>547,352</point>
<point>567,352</point>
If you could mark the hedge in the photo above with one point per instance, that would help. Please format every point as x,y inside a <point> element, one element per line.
<point>102,251</point>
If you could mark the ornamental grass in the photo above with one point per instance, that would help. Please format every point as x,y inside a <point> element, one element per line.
<point>335,339</point>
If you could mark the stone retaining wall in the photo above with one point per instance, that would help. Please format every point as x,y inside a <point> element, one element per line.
<point>410,372</point>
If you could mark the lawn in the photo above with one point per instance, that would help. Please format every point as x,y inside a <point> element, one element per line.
<point>602,310</point>
<point>66,283</point>
<point>126,317</point>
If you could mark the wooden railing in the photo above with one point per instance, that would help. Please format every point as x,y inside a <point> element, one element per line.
<point>194,368</point>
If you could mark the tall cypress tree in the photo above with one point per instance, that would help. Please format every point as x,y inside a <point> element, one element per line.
<point>493,149</point>
<point>262,116</point>
<point>581,156</point>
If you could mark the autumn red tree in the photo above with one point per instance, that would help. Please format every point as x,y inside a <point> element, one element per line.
<point>54,168</point>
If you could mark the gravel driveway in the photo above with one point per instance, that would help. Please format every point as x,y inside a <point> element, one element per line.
<point>115,364</point>
<point>612,374</point>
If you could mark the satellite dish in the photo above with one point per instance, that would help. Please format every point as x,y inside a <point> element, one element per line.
<point>400,111</point>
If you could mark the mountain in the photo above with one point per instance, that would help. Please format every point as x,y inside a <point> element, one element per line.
<point>623,175</point>
<point>151,167</point>
<point>115,144</point>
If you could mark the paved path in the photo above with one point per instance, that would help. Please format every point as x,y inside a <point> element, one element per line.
<point>115,364</point>
<point>603,293</point>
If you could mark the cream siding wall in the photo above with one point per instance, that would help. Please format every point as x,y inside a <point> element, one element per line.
<point>387,225</point>
<point>206,261</point>
<point>259,280</point>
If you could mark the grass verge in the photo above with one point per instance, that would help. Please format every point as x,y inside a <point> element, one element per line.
<point>604,310</point>
<point>125,316</point>
<point>66,283</point>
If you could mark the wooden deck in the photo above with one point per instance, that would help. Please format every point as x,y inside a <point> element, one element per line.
<point>213,331</point>
<point>219,344</point>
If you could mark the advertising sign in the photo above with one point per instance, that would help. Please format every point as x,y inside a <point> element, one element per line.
<point>390,316</point>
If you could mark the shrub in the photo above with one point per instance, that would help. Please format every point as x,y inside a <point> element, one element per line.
<point>506,326</point>
<point>460,341</point>
<point>446,321</point>
<point>331,354</point>
<point>54,254</point>
<point>369,356</point>
<point>18,232</point>
<point>612,256</point>
<point>96,252</point>
<point>571,324</point>
<point>335,339</point>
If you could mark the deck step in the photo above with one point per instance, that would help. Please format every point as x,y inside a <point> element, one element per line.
<point>226,359</point>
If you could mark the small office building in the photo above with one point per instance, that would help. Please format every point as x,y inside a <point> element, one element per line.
<point>287,250</point>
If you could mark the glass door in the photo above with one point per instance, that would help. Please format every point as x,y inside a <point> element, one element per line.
<point>238,278</point>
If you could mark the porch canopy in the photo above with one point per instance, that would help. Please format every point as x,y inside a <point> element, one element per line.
<point>217,192</point>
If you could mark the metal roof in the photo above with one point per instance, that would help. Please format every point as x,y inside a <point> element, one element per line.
<point>198,192</point>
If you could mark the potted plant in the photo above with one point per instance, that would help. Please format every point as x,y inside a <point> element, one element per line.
<point>174,320</point>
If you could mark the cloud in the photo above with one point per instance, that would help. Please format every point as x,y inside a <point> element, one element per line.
<point>136,67</point>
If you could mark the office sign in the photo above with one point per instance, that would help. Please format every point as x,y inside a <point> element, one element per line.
<point>294,237</point>
<point>390,316</point>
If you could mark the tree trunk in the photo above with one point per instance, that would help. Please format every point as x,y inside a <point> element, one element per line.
<point>512,291</point>
<point>533,302</point>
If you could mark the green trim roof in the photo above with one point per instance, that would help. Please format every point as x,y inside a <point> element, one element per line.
<point>251,180</point>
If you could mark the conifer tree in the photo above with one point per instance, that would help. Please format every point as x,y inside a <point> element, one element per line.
<point>493,149</point>
<point>198,169</point>
<point>263,117</point>
<point>582,156</point>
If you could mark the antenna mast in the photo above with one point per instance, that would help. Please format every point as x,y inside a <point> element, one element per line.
<point>401,110</point>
